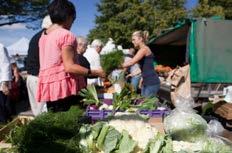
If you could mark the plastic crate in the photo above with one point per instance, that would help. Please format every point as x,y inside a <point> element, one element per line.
<point>107,101</point>
<point>98,114</point>
<point>102,114</point>
<point>154,113</point>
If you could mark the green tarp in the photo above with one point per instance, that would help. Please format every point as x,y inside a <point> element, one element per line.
<point>210,51</point>
<point>208,47</point>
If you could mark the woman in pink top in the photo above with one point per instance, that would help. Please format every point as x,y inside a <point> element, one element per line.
<point>58,84</point>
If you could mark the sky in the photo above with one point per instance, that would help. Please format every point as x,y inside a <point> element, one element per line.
<point>86,12</point>
<point>85,20</point>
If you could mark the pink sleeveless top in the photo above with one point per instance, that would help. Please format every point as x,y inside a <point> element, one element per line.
<point>54,83</point>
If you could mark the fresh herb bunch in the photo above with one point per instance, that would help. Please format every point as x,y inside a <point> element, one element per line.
<point>111,61</point>
<point>49,132</point>
<point>149,103</point>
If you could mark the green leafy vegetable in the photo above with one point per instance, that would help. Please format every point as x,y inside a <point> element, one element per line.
<point>160,144</point>
<point>149,104</point>
<point>123,100</point>
<point>111,140</point>
<point>101,137</point>
<point>90,95</point>
<point>127,145</point>
<point>208,108</point>
<point>111,61</point>
<point>49,132</point>
<point>97,129</point>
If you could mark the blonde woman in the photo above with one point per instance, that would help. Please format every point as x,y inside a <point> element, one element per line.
<point>145,58</point>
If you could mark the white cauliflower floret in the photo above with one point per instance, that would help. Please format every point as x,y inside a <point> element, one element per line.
<point>186,146</point>
<point>139,130</point>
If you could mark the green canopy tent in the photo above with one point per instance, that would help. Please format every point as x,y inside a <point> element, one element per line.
<point>206,44</point>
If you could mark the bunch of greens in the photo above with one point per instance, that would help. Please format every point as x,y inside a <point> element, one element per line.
<point>149,104</point>
<point>124,99</point>
<point>49,132</point>
<point>111,61</point>
<point>123,136</point>
<point>90,95</point>
<point>102,137</point>
<point>160,144</point>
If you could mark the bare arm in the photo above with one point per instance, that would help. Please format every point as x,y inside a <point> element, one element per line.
<point>68,56</point>
<point>138,56</point>
<point>136,72</point>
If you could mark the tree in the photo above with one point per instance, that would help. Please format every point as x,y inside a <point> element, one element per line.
<point>169,12</point>
<point>22,11</point>
<point>204,9</point>
<point>120,18</point>
<point>225,4</point>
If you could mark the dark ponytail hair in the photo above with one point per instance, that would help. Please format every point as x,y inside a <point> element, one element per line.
<point>60,10</point>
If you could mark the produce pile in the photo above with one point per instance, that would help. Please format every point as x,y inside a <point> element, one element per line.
<point>123,132</point>
<point>126,133</point>
<point>129,133</point>
<point>123,101</point>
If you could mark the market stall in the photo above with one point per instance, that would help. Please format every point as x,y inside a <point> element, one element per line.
<point>122,121</point>
<point>204,44</point>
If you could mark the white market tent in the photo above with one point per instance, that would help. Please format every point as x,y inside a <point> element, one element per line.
<point>20,47</point>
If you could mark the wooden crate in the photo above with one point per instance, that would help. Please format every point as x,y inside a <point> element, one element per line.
<point>224,110</point>
<point>5,130</point>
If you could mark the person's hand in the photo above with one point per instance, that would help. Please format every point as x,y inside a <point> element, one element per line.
<point>99,73</point>
<point>140,83</point>
<point>121,66</point>
<point>5,88</point>
<point>129,75</point>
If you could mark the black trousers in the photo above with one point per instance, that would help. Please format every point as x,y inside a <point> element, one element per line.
<point>64,104</point>
<point>4,107</point>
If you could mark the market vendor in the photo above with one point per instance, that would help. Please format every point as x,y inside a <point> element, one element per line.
<point>145,57</point>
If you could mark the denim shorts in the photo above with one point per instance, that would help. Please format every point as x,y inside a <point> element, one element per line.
<point>150,90</point>
<point>135,82</point>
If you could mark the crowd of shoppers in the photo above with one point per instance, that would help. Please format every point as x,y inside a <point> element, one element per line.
<point>59,64</point>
